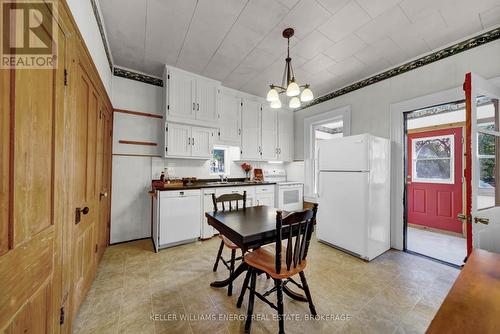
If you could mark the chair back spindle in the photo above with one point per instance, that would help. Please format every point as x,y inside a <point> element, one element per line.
<point>229,199</point>
<point>297,228</point>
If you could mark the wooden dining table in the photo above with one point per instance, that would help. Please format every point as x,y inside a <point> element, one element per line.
<point>249,229</point>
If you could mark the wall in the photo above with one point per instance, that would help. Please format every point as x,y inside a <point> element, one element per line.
<point>87,24</point>
<point>370,105</point>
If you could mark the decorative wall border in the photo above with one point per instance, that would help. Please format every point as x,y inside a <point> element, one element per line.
<point>101,32</point>
<point>127,74</point>
<point>452,50</point>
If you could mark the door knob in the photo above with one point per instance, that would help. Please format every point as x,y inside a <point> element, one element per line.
<point>463,217</point>
<point>85,210</point>
<point>484,221</point>
<point>103,194</point>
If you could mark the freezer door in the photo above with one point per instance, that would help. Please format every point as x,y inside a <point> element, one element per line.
<point>342,219</point>
<point>344,154</point>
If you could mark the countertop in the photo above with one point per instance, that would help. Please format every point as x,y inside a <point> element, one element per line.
<point>209,184</point>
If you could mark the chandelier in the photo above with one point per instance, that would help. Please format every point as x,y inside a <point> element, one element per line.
<point>288,84</point>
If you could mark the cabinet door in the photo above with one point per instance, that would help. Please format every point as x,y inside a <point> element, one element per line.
<point>201,142</point>
<point>181,95</point>
<point>285,135</point>
<point>206,100</point>
<point>250,137</point>
<point>179,219</point>
<point>178,140</point>
<point>229,120</point>
<point>269,133</point>
<point>265,199</point>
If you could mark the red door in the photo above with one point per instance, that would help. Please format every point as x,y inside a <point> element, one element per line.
<point>434,182</point>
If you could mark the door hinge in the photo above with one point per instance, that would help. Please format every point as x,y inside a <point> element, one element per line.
<point>96,247</point>
<point>78,215</point>
<point>166,127</point>
<point>65,77</point>
<point>242,104</point>
<point>168,76</point>
<point>61,316</point>
<point>168,106</point>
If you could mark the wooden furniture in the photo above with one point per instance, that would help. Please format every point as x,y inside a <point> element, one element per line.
<point>473,303</point>
<point>281,267</point>
<point>228,199</point>
<point>248,229</point>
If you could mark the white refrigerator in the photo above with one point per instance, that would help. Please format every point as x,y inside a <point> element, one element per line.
<point>354,195</point>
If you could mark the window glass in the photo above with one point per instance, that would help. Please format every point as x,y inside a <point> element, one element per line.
<point>486,148</point>
<point>433,159</point>
<point>218,162</point>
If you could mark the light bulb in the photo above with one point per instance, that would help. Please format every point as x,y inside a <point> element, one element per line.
<point>294,102</point>
<point>276,104</point>
<point>292,89</point>
<point>307,95</point>
<point>272,95</point>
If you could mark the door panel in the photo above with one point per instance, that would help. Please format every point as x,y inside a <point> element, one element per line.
<point>269,128</point>
<point>482,172</point>
<point>250,137</point>
<point>178,140</point>
<point>201,142</point>
<point>181,99</point>
<point>32,196</point>
<point>435,179</point>
<point>206,96</point>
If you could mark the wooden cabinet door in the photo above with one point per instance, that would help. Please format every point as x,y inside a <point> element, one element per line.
<point>33,194</point>
<point>181,95</point>
<point>269,126</point>
<point>201,142</point>
<point>206,100</point>
<point>86,187</point>
<point>285,136</point>
<point>178,140</point>
<point>251,136</point>
<point>229,120</point>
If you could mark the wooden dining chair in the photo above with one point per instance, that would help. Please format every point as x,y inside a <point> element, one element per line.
<point>296,228</point>
<point>226,201</point>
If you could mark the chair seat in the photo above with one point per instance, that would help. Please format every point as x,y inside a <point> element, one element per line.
<point>228,243</point>
<point>264,259</point>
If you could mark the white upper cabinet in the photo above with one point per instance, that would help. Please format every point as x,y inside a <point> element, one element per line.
<point>206,100</point>
<point>251,135</point>
<point>229,120</point>
<point>190,98</point>
<point>181,95</point>
<point>269,125</point>
<point>285,135</point>
<point>201,142</point>
<point>177,140</point>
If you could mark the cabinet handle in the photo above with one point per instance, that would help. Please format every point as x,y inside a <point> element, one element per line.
<point>189,140</point>
<point>198,106</point>
<point>192,141</point>
<point>239,132</point>
<point>194,106</point>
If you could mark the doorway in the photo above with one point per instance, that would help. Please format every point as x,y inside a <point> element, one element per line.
<point>434,189</point>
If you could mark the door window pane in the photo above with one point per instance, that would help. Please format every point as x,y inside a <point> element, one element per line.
<point>486,148</point>
<point>433,159</point>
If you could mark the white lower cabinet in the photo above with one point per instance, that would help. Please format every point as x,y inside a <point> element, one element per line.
<point>207,231</point>
<point>177,217</point>
<point>264,195</point>
<point>239,190</point>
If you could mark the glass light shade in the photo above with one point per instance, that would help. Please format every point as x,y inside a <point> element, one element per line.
<point>276,104</point>
<point>272,95</point>
<point>306,95</point>
<point>294,102</point>
<point>292,89</point>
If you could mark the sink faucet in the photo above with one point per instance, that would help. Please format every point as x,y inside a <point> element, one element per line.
<point>221,176</point>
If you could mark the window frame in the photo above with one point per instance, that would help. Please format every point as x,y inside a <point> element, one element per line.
<point>226,161</point>
<point>451,158</point>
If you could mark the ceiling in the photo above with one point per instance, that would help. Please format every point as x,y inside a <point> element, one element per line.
<point>239,42</point>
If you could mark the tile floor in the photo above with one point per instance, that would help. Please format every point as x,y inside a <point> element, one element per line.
<point>437,245</point>
<point>395,293</point>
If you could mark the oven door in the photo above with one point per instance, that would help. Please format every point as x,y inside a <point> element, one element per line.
<point>291,198</point>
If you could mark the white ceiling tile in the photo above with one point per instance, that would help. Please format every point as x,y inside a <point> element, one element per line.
<point>311,45</point>
<point>318,64</point>
<point>256,20</point>
<point>289,3</point>
<point>333,6</point>
<point>304,18</point>
<point>412,45</point>
<point>126,30</point>
<point>418,9</point>
<point>274,43</point>
<point>346,67</point>
<point>345,48</point>
<point>490,18</point>
<point>377,7</point>
<point>456,11</point>
<point>384,49</point>
<point>211,22</point>
<point>167,24</point>
<point>393,19</point>
<point>453,33</point>
<point>344,22</point>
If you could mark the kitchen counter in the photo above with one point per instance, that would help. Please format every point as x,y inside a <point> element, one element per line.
<point>211,184</point>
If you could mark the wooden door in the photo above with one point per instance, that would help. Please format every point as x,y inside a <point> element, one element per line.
<point>250,137</point>
<point>285,135</point>
<point>201,142</point>
<point>105,140</point>
<point>434,183</point>
<point>86,185</point>
<point>178,140</point>
<point>229,120</point>
<point>32,196</point>
<point>206,100</point>
<point>181,95</point>
<point>269,126</point>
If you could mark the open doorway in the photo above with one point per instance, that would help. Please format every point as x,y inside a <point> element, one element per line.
<point>434,191</point>
<point>324,131</point>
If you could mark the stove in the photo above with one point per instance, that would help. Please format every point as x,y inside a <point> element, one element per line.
<point>289,195</point>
